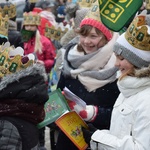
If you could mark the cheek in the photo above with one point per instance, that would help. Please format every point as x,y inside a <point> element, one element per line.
<point>128,65</point>
<point>33,28</point>
<point>95,42</point>
<point>27,27</point>
<point>101,43</point>
<point>81,40</point>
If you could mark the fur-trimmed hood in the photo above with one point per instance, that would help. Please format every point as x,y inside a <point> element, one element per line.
<point>32,70</point>
<point>143,72</point>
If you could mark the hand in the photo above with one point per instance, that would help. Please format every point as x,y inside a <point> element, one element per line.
<point>87,133</point>
<point>87,114</point>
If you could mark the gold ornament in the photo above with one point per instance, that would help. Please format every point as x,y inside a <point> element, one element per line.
<point>33,1</point>
<point>4,25</point>
<point>147,4</point>
<point>85,3</point>
<point>53,33</point>
<point>137,33</point>
<point>9,65</point>
<point>31,18</point>
<point>8,10</point>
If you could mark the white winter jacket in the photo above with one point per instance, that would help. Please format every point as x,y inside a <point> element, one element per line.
<point>130,122</point>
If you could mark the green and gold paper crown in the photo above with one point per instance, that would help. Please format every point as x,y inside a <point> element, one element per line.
<point>9,10</point>
<point>10,64</point>
<point>31,18</point>
<point>33,1</point>
<point>53,33</point>
<point>137,33</point>
<point>4,25</point>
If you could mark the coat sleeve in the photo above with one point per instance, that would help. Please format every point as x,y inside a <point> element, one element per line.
<point>138,140</point>
<point>49,55</point>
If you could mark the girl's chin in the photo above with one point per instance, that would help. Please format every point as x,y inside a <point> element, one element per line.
<point>120,73</point>
<point>89,51</point>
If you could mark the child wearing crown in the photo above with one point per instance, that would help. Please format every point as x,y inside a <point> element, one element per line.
<point>38,44</point>
<point>89,72</point>
<point>23,93</point>
<point>130,120</point>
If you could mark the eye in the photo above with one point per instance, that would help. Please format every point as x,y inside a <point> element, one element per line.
<point>93,36</point>
<point>120,57</point>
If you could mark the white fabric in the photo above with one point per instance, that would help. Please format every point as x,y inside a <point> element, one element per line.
<point>130,122</point>
<point>145,55</point>
<point>90,109</point>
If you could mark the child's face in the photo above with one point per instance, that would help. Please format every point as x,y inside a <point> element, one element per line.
<point>92,42</point>
<point>31,27</point>
<point>123,64</point>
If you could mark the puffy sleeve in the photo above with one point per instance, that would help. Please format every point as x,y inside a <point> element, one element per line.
<point>137,139</point>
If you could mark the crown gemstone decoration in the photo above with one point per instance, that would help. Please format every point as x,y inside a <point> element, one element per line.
<point>137,33</point>
<point>31,18</point>
<point>11,64</point>
<point>9,10</point>
<point>53,33</point>
<point>4,25</point>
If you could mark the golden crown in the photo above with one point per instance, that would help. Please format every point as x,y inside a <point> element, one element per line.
<point>10,63</point>
<point>147,4</point>
<point>4,25</point>
<point>85,3</point>
<point>137,33</point>
<point>9,10</point>
<point>31,18</point>
<point>53,33</point>
<point>33,1</point>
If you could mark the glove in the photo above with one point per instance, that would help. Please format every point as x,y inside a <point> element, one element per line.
<point>87,133</point>
<point>87,114</point>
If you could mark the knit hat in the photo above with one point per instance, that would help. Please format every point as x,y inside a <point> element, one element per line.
<point>80,15</point>
<point>93,19</point>
<point>134,44</point>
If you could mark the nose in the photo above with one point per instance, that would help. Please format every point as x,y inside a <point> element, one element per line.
<point>87,40</point>
<point>28,27</point>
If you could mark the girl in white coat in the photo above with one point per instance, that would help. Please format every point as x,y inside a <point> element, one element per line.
<point>130,121</point>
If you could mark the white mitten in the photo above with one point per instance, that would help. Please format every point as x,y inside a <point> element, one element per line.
<point>88,114</point>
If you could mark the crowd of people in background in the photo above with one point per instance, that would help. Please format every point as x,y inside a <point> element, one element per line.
<point>108,70</point>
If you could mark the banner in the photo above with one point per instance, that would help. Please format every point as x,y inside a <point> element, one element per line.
<point>116,13</point>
